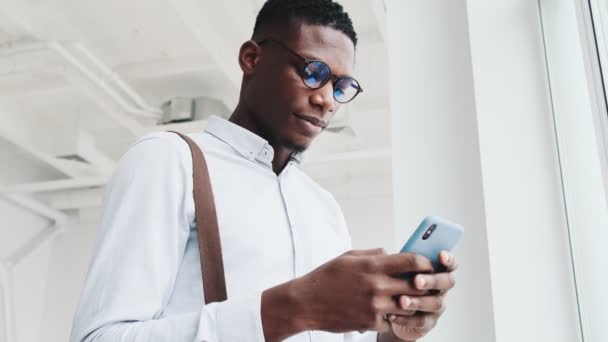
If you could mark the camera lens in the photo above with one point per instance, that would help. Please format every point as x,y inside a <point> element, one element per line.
<point>429,231</point>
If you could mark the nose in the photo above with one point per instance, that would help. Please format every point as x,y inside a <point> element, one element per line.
<point>323,98</point>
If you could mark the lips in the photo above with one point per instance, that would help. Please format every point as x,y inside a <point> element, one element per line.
<point>315,121</point>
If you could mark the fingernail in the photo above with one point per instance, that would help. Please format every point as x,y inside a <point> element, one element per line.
<point>445,257</point>
<point>405,302</point>
<point>421,282</point>
<point>392,317</point>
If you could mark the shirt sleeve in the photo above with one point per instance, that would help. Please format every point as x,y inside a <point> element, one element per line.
<point>142,233</point>
<point>368,336</point>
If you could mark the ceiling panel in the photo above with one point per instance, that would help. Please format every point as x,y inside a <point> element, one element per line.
<point>19,167</point>
<point>148,45</point>
<point>117,31</point>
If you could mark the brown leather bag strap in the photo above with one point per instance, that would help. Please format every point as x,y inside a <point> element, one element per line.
<point>212,264</point>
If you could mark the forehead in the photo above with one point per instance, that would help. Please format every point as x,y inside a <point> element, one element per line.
<point>324,43</point>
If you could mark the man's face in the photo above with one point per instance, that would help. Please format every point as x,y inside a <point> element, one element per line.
<point>289,113</point>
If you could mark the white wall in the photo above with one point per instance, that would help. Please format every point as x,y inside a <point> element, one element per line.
<point>2,309</point>
<point>30,292</point>
<point>473,140</point>
<point>363,188</point>
<point>435,150</point>
<point>28,276</point>
<point>527,232</point>
<point>18,225</point>
<point>69,260</point>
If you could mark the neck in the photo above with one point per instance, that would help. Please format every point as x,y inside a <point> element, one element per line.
<point>244,118</point>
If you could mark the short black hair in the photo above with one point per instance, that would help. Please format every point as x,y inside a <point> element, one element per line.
<point>312,12</point>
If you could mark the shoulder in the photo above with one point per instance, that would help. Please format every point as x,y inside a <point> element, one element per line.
<point>161,148</point>
<point>163,144</point>
<point>158,157</point>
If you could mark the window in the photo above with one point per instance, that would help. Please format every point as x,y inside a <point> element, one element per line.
<point>576,54</point>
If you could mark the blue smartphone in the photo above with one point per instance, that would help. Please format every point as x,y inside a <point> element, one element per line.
<point>433,235</point>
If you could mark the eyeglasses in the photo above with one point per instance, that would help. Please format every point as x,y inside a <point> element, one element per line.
<point>317,73</point>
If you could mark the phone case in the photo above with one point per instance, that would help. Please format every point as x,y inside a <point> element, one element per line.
<point>444,237</point>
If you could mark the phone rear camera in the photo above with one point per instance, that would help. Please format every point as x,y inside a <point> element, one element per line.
<point>429,231</point>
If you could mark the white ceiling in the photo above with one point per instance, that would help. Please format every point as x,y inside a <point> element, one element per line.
<point>62,64</point>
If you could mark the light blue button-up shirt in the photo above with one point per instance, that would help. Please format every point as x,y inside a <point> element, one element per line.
<point>144,281</point>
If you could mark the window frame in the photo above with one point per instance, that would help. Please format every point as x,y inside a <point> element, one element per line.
<point>574,54</point>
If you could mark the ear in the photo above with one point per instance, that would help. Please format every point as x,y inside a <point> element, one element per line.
<point>249,57</point>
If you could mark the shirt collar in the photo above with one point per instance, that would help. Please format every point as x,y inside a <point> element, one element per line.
<point>244,142</point>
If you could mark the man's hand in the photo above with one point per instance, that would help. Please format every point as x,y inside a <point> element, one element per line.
<point>424,310</point>
<point>351,292</point>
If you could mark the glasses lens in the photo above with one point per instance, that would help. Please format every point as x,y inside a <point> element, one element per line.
<point>316,74</point>
<point>345,89</point>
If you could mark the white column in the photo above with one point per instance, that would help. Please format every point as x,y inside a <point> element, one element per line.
<point>473,140</point>
<point>436,165</point>
<point>532,280</point>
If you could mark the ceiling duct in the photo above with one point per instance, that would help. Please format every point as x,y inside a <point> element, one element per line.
<point>74,157</point>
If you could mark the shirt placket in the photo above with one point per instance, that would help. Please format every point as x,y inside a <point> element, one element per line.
<point>298,267</point>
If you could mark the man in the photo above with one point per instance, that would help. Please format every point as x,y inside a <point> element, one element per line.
<point>289,272</point>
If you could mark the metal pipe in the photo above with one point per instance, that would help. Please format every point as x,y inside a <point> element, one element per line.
<point>145,110</point>
<point>58,217</point>
<point>115,78</point>
<point>68,56</point>
<point>57,185</point>
<point>16,48</point>
<point>43,237</point>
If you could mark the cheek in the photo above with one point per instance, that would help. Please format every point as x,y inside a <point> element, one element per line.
<point>271,87</point>
<point>290,86</point>
<point>277,91</point>
<point>291,96</point>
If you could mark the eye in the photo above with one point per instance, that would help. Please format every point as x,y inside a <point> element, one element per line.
<point>315,74</point>
<point>345,89</point>
<point>338,91</point>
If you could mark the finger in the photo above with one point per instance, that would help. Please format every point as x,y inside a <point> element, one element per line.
<point>448,261</point>
<point>403,313</point>
<point>421,322</point>
<point>364,252</point>
<point>403,263</point>
<point>431,304</point>
<point>386,305</point>
<point>391,287</point>
<point>400,320</point>
<point>438,281</point>
<point>382,324</point>
<point>397,310</point>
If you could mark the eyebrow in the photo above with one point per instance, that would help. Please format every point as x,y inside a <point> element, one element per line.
<point>300,55</point>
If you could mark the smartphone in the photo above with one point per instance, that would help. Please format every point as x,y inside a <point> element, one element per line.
<point>433,235</point>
